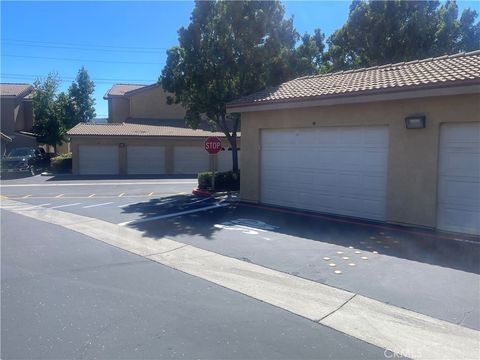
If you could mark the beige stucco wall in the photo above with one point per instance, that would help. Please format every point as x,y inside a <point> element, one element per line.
<point>168,143</point>
<point>118,109</point>
<point>17,115</point>
<point>413,154</point>
<point>151,103</point>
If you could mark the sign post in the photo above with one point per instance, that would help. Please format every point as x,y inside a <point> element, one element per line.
<point>213,145</point>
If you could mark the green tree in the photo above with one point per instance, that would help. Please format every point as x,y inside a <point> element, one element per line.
<point>81,97</point>
<point>380,32</point>
<point>229,49</point>
<point>47,125</point>
<point>309,54</point>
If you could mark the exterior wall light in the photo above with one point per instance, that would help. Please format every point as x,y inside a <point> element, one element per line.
<point>415,122</point>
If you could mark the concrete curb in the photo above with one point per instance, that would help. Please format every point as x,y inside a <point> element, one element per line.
<point>198,192</point>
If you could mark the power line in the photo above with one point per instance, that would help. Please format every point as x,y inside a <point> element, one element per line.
<point>81,60</point>
<point>73,78</point>
<point>85,45</point>
<point>85,49</point>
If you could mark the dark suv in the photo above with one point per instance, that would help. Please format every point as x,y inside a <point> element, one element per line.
<point>24,161</point>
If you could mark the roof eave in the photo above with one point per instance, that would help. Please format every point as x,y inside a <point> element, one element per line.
<point>453,88</point>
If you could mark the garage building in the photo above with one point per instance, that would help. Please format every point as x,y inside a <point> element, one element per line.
<point>398,143</point>
<point>144,136</point>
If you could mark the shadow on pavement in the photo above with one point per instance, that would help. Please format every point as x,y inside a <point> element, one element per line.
<point>66,177</point>
<point>461,252</point>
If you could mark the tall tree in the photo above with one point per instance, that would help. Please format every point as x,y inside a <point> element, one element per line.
<point>309,54</point>
<point>81,95</point>
<point>380,32</point>
<point>229,49</point>
<point>47,125</point>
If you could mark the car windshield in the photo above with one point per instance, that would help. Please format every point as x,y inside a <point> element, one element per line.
<point>20,152</point>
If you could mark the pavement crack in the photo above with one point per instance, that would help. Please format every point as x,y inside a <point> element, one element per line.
<point>164,252</point>
<point>334,311</point>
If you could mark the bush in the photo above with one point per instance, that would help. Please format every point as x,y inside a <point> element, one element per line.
<point>224,181</point>
<point>61,163</point>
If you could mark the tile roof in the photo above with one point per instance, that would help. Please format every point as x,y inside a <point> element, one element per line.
<point>133,129</point>
<point>14,90</point>
<point>448,70</point>
<point>121,89</point>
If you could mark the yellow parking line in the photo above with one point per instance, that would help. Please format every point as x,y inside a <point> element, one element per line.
<point>91,195</point>
<point>121,194</point>
<point>59,196</point>
<point>2,197</point>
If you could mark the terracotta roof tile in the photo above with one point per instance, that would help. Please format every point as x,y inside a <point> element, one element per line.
<point>132,129</point>
<point>434,72</point>
<point>10,89</point>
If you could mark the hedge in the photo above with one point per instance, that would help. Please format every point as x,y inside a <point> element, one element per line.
<point>224,181</point>
<point>61,163</point>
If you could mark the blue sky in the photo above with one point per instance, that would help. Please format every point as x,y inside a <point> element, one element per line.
<point>117,41</point>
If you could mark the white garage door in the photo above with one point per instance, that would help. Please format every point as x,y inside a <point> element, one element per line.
<point>459,178</point>
<point>98,159</point>
<point>146,160</point>
<point>225,160</point>
<point>190,160</point>
<point>339,170</point>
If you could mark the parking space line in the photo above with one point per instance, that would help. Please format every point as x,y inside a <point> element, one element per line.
<point>121,194</point>
<point>26,196</point>
<point>151,194</point>
<point>33,207</point>
<point>125,205</point>
<point>95,205</point>
<point>59,196</point>
<point>133,222</point>
<point>62,206</point>
<point>91,195</point>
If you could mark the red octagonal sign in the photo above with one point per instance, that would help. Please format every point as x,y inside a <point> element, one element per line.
<point>213,145</point>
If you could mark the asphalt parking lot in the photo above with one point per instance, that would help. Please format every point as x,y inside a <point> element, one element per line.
<point>436,274</point>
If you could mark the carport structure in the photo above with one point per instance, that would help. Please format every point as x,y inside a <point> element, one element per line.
<point>396,143</point>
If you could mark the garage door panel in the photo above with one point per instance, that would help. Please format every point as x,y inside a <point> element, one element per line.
<point>336,172</point>
<point>190,160</point>
<point>98,159</point>
<point>459,178</point>
<point>146,160</point>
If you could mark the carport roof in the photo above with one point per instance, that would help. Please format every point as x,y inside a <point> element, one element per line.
<point>445,71</point>
<point>135,129</point>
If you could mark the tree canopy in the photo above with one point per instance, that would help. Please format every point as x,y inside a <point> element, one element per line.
<point>381,32</point>
<point>80,93</point>
<point>47,125</point>
<point>231,49</point>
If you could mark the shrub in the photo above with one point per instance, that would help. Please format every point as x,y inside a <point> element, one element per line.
<point>224,181</point>
<point>61,163</point>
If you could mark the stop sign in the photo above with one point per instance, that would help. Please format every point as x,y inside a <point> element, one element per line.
<point>213,145</point>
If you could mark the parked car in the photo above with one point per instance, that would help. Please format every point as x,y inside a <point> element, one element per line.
<point>25,160</point>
